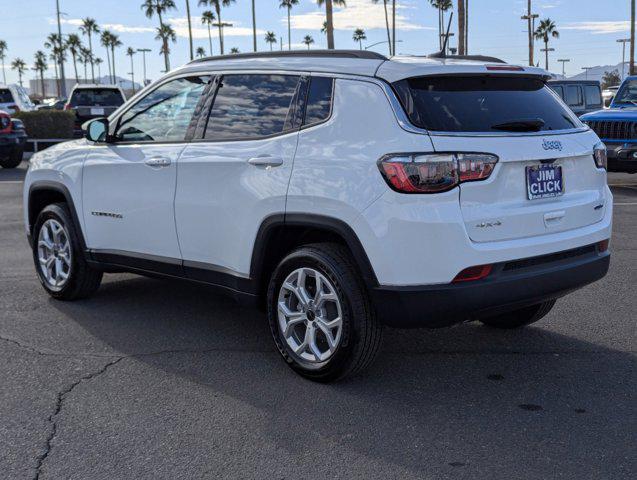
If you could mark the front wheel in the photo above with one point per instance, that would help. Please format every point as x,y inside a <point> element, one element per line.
<point>13,159</point>
<point>520,318</point>
<point>320,315</point>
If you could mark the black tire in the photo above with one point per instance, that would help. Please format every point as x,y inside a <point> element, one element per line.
<point>13,160</point>
<point>520,318</point>
<point>83,280</point>
<point>361,331</point>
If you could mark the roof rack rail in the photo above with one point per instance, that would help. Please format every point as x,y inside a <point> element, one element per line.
<point>362,54</point>
<point>477,58</point>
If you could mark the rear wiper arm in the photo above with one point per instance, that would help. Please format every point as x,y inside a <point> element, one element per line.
<point>524,125</point>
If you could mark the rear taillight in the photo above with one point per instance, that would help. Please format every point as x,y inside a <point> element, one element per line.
<point>67,106</point>
<point>599,154</point>
<point>434,172</point>
<point>603,246</point>
<point>473,273</point>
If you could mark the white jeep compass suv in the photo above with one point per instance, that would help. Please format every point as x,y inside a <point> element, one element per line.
<point>340,190</point>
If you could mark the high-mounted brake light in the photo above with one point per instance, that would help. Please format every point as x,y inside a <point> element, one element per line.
<point>505,68</point>
<point>434,172</point>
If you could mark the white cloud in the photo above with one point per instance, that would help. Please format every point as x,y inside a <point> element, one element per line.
<point>598,28</point>
<point>357,14</point>
<point>115,27</point>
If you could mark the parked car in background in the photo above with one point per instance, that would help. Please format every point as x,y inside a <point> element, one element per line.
<point>617,127</point>
<point>340,190</point>
<point>608,94</point>
<point>53,104</point>
<point>90,101</point>
<point>14,98</point>
<point>582,96</point>
<point>12,140</point>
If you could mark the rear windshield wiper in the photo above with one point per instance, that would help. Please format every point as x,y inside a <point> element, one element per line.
<point>525,125</point>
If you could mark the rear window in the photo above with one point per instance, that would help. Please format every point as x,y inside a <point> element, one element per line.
<point>483,104</point>
<point>102,97</point>
<point>558,89</point>
<point>574,95</point>
<point>5,96</point>
<point>593,95</point>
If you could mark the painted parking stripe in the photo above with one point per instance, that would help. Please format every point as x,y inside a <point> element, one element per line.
<point>625,203</point>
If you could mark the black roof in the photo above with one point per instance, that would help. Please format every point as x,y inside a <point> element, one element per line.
<point>362,54</point>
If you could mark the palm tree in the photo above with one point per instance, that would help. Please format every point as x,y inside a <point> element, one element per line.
<point>234,50</point>
<point>3,55</point>
<point>74,44</point>
<point>115,42</point>
<point>98,62</point>
<point>329,18</point>
<point>40,65</point>
<point>386,24</point>
<point>544,31</point>
<point>201,52</point>
<point>270,38</point>
<point>359,36</point>
<point>105,39</point>
<point>165,33</point>
<point>20,66</point>
<point>130,51</point>
<point>308,40</point>
<point>158,7</point>
<point>288,4</point>
<point>86,57</point>
<point>217,4</point>
<point>58,55</point>
<point>324,28</point>
<point>442,6</point>
<point>89,27</point>
<point>189,31</point>
<point>254,27</point>
<point>208,18</point>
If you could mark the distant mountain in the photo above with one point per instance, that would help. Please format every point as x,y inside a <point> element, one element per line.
<point>596,73</point>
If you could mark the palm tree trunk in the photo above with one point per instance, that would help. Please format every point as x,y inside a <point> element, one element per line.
<point>210,39</point>
<point>329,13</point>
<point>461,27</point>
<point>20,77</point>
<point>166,54</point>
<point>220,29</point>
<point>108,62</point>
<point>85,72</point>
<point>466,27</point>
<point>189,30</point>
<point>632,37</point>
<point>42,81</point>
<point>393,27</point>
<point>546,52</point>
<point>271,48</point>
<point>254,27</point>
<point>113,60</point>
<point>57,82</point>
<point>289,31</point>
<point>440,28</point>
<point>90,48</point>
<point>387,25</point>
<point>132,74</point>
<point>75,67</point>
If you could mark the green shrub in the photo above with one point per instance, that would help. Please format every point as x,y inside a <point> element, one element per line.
<point>48,123</point>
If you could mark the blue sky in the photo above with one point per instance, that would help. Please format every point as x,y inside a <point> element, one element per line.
<point>589,28</point>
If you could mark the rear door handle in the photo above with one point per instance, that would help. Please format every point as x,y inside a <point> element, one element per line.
<point>158,162</point>
<point>266,161</point>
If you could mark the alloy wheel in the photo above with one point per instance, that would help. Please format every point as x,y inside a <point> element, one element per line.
<point>54,254</point>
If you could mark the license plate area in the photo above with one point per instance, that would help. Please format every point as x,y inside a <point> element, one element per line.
<point>97,111</point>
<point>544,181</point>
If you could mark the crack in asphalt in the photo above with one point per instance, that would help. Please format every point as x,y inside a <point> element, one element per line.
<point>61,396</point>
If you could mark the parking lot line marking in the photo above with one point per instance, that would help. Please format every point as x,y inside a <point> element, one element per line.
<point>11,181</point>
<point>626,203</point>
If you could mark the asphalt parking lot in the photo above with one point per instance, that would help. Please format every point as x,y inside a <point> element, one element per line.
<point>158,379</point>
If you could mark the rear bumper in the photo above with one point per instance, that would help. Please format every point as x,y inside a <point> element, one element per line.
<point>511,286</point>
<point>622,157</point>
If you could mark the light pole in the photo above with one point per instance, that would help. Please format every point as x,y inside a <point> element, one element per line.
<point>586,69</point>
<point>61,57</point>
<point>623,41</point>
<point>221,26</point>
<point>143,52</point>
<point>530,18</point>
<point>564,61</point>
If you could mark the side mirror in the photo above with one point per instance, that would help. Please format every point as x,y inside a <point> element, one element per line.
<point>96,130</point>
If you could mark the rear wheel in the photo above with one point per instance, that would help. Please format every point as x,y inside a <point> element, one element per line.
<point>320,315</point>
<point>13,159</point>
<point>520,318</point>
<point>58,256</point>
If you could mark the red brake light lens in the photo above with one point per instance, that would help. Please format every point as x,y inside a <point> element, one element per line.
<point>435,173</point>
<point>473,273</point>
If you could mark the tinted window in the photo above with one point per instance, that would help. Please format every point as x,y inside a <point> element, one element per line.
<point>479,104</point>
<point>164,114</point>
<point>627,93</point>
<point>252,106</point>
<point>101,97</point>
<point>5,96</point>
<point>319,100</point>
<point>593,95</point>
<point>573,95</point>
<point>559,90</point>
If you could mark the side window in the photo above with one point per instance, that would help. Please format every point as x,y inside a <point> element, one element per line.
<point>164,114</point>
<point>252,106</point>
<point>319,100</point>
<point>593,95</point>
<point>559,90</point>
<point>573,95</point>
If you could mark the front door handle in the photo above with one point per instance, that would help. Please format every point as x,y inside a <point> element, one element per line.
<point>266,161</point>
<point>158,162</point>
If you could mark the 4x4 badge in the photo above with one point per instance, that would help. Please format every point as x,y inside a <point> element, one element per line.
<point>552,145</point>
